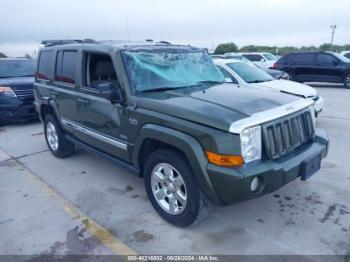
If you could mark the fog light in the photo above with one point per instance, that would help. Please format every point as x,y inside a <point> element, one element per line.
<point>254,184</point>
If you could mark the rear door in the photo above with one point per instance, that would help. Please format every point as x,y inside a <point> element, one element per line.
<point>304,66</point>
<point>329,68</point>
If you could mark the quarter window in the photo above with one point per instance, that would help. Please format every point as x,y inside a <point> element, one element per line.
<point>303,58</point>
<point>66,66</point>
<point>45,68</point>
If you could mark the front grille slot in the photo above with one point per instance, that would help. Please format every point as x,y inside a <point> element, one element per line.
<point>24,93</point>
<point>283,135</point>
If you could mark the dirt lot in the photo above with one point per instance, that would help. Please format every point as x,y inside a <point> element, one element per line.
<point>87,205</point>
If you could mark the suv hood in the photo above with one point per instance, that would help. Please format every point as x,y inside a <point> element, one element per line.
<point>289,87</point>
<point>217,106</point>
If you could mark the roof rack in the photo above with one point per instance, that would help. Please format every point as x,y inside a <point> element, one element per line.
<point>48,43</point>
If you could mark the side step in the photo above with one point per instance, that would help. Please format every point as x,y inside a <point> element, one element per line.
<point>99,152</point>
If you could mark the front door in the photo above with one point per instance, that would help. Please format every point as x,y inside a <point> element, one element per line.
<point>328,68</point>
<point>99,119</point>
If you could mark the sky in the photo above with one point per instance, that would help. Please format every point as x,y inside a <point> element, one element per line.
<point>202,23</point>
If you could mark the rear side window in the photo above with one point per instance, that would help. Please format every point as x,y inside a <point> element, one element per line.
<point>254,58</point>
<point>45,68</point>
<point>325,59</point>
<point>303,58</point>
<point>66,66</point>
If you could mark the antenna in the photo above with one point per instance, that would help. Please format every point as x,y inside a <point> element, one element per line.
<point>127,29</point>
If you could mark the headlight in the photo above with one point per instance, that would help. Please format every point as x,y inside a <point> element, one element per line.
<point>7,91</point>
<point>251,144</point>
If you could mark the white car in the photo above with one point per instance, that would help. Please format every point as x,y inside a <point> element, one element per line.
<point>263,60</point>
<point>346,53</point>
<point>246,75</point>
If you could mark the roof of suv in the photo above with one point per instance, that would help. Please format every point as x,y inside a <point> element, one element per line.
<point>117,45</point>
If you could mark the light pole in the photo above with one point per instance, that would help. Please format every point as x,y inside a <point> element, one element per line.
<point>333,27</point>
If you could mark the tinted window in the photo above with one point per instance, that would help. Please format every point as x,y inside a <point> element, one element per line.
<point>347,55</point>
<point>45,69</point>
<point>325,59</point>
<point>66,66</point>
<point>17,68</point>
<point>227,74</point>
<point>254,58</point>
<point>303,58</point>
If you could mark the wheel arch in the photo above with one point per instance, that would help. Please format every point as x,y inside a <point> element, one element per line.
<point>152,137</point>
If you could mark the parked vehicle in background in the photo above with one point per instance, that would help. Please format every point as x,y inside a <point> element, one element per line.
<point>217,56</point>
<point>245,74</point>
<point>165,112</point>
<point>261,59</point>
<point>272,72</point>
<point>316,67</point>
<point>16,90</point>
<point>346,54</point>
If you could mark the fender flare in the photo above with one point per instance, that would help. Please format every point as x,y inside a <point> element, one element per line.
<point>186,144</point>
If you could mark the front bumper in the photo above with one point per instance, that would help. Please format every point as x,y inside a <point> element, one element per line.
<point>233,185</point>
<point>14,109</point>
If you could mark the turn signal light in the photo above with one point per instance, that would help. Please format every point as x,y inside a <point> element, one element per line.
<point>224,160</point>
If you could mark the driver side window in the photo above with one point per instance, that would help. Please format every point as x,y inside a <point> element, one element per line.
<point>98,69</point>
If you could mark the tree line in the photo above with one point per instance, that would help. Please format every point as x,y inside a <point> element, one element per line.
<point>277,50</point>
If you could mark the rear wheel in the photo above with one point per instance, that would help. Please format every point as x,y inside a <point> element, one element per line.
<point>172,188</point>
<point>347,80</point>
<point>55,138</point>
<point>291,75</point>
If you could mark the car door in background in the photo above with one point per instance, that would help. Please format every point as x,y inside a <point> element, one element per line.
<point>303,66</point>
<point>329,68</point>
<point>257,59</point>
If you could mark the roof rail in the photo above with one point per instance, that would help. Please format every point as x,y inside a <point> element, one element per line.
<point>48,43</point>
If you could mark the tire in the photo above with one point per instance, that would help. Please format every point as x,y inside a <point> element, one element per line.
<point>291,76</point>
<point>55,138</point>
<point>347,81</point>
<point>192,210</point>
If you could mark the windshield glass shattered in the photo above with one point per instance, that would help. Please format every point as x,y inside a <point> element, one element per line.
<point>164,70</point>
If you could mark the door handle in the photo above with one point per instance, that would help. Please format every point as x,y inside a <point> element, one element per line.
<point>83,101</point>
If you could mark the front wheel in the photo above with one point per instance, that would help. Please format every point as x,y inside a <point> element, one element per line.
<point>172,188</point>
<point>347,81</point>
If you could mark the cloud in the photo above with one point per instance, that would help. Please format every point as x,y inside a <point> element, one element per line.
<point>202,23</point>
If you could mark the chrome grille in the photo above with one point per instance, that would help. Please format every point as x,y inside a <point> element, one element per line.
<point>24,93</point>
<point>285,134</point>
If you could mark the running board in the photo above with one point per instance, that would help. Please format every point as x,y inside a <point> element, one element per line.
<point>99,152</point>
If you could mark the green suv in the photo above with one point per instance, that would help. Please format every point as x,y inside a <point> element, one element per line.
<point>165,112</point>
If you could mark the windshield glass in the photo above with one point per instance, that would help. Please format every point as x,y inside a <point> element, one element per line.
<point>170,70</point>
<point>270,57</point>
<point>249,73</point>
<point>16,68</point>
<point>341,57</point>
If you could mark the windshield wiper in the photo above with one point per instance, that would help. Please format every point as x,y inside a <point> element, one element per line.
<point>159,89</point>
<point>209,82</point>
<point>256,81</point>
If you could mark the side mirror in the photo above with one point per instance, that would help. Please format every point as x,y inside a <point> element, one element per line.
<point>335,62</point>
<point>110,92</point>
<point>262,60</point>
<point>228,80</point>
